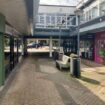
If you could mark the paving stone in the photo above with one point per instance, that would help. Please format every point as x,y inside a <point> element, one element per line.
<point>38,82</point>
<point>29,89</point>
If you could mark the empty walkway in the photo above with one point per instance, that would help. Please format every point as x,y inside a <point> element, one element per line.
<point>38,82</point>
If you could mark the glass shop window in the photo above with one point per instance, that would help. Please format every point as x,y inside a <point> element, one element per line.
<point>7,55</point>
<point>19,47</point>
<point>15,50</point>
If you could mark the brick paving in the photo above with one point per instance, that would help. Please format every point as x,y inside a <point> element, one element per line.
<point>28,88</point>
<point>96,79</point>
<point>38,82</point>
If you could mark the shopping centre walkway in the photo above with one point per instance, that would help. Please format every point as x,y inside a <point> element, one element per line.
<point>38,82</point>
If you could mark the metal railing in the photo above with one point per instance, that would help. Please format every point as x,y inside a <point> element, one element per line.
<point>52,22</point>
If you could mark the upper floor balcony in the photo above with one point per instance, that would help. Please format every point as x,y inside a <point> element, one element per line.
<point>93,18</point>
<point>92,26</point>
<point>55,21</point>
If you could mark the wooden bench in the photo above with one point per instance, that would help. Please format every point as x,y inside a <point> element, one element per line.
<point>64,63</point>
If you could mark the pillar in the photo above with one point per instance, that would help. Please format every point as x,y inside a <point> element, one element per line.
<point>2,68</point>
<point>37,41</point>
<point>24,46</point>
<point>17,41</point>
<point>75,45</point>
<point>51,47</point>
<point>11,53</point>
<point>77,20</point>
<point>99,12</point>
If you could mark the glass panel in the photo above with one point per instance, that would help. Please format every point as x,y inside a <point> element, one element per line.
<point>7,55</point>
<point>64,19</point>
<point>41,19</point>
<point>19,47</point>
<point>82,18</point>
<point>47,20</point>
<point>38,19</point>
<point>53,20</point>
<point>59,21</point>
<point>87,16</point>
<point>15,51</point>
<point>94,12</point>
<point>90,14</point>
<point>102,8</point>
<point>87,49</point>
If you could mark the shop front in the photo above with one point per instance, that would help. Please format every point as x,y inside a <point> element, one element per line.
<point>12,52</point>
<point>70,45</point>
<point>100,48</point>
<point>87,47</point>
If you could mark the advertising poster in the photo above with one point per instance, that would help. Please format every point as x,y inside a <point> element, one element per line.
<point>100,48</point>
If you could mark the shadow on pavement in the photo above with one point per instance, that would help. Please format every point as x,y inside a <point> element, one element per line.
<point>92,81</point>
<point>70,89</point>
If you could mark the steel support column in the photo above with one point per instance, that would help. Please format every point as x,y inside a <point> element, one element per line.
<point>25,46</point>
<point>2,68</point>
<point>17,42</point>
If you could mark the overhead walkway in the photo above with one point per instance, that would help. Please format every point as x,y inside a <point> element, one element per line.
<point>55,33</point>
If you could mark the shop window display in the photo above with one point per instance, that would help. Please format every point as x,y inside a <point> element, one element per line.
<point>100,48</point>
<point>87,49</point>
<point>19,47</point>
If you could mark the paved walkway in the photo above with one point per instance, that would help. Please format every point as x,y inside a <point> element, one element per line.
<point>94,79</point>
<point>38,82</point>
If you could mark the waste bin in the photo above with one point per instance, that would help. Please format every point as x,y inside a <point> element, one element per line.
<point>56,55</point>
<point>60,55</point>
<point>75,66</point>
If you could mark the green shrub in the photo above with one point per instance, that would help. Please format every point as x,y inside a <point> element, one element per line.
<point>102,53</point>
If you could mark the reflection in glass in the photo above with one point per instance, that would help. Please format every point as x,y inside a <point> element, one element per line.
<point>15,51</point>
<point>7,55</point>
<point>19,47</point>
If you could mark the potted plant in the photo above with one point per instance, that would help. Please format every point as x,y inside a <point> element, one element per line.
<point>102,55</point>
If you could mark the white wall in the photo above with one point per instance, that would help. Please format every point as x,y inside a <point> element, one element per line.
<point>56,9</point>
<point>94,4</point>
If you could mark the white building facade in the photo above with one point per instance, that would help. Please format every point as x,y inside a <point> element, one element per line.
<point>52,16</point>
<point>92,30</point>
<point>92,10</point>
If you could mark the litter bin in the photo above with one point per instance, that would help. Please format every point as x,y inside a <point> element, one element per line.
<point>56,55</point>
<point>60,55</point>
<point>75,66</point>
